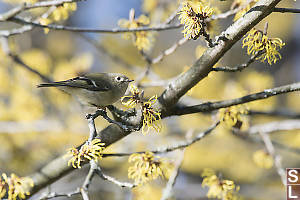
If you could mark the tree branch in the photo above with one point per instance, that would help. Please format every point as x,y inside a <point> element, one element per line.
<point>236,68</point>
<point>286,10</point>
<point>23,21</point>
<point>277,158</point>
<point>177,88</point>
<point>200,69</point>
<point>276,113</point>
<point>25,6</point>
<point>173,147</point>
<point>210,106</point>
<point>15,58</point>
<point>167,192</point>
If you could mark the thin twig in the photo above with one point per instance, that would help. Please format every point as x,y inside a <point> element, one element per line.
<point>25,6</point>
<point>286,10</point>
<point>210,106</point>
<point>277,158</point>
<point>169,50</point>
<point>173,15</point>
<point>52,195</point>
<point>103,113</point>
<point>113,180</point>
<point>174,147</point>
<point>247,137</point>
<point>92,127</point>
<point>276,113</point>
<point>167,192</point>
<point>284,125</point>
<point>236,68</point>
<point>23,21</point>
<point>88,180</point>
<point>15,58</point>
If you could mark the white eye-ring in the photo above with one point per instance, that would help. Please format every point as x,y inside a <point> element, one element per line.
<point>118,78</point>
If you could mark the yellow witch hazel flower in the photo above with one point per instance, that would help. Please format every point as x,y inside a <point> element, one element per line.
<point>262,159</point>
<point>232,116</point>
<point>218,188</point>
<point>192,15</point>
<point>151,116</point>
<point>45,21</point>
<point>147,167</point>
<point>142,39</point>
<point>257,42</point>
<point>60,13</point>
<point>88,151</point>
<point>16,187</point>
<point>130,101</point>
<point>2,188</point>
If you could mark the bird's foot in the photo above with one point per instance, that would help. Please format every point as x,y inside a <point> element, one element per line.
<point>103,113</point>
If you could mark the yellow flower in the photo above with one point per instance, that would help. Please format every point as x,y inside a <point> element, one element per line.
<point>147,167</point>
<point>192,15</point>
<point>2,188</point>
<point>132,99</point>
<point>257,42</point>
<point>232,116</point>
<point>16,187</point>
<point>60,13</point>
<point>70,6</point>
<point>262,159</point>
<point>63,12</point>
<point>45,21</point>
<point>88,151</point>
<point>218,188</point>
<point>151,116</point>
<point>142,39</point>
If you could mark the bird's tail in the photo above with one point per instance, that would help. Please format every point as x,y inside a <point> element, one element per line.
<point>54,84</point>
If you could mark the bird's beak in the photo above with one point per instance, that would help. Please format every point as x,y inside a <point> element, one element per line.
<point>129,80</point>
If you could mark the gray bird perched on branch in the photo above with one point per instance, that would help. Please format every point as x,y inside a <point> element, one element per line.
<point>95,89</point>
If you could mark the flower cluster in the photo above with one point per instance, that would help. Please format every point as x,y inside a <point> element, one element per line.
<point>232,116</point>
<point>257,42</point>
<point>219,188</point>
<point>263,159</point>
<point>88,151</point>
<point>130,101</point>
<point>142,39</point>
<point>15,187</point>
<point>147,167</point>
<point>192,15</point>
<point>60,13</point>
<point>151,117</point>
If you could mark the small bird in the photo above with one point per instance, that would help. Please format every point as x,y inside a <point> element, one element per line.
<point>95,89</point>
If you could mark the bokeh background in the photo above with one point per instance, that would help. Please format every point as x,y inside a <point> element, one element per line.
<point>37,125</point>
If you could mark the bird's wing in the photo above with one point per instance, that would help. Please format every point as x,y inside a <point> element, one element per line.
<point>81,82</point>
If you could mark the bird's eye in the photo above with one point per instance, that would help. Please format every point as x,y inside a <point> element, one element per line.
<point>118,78</point>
